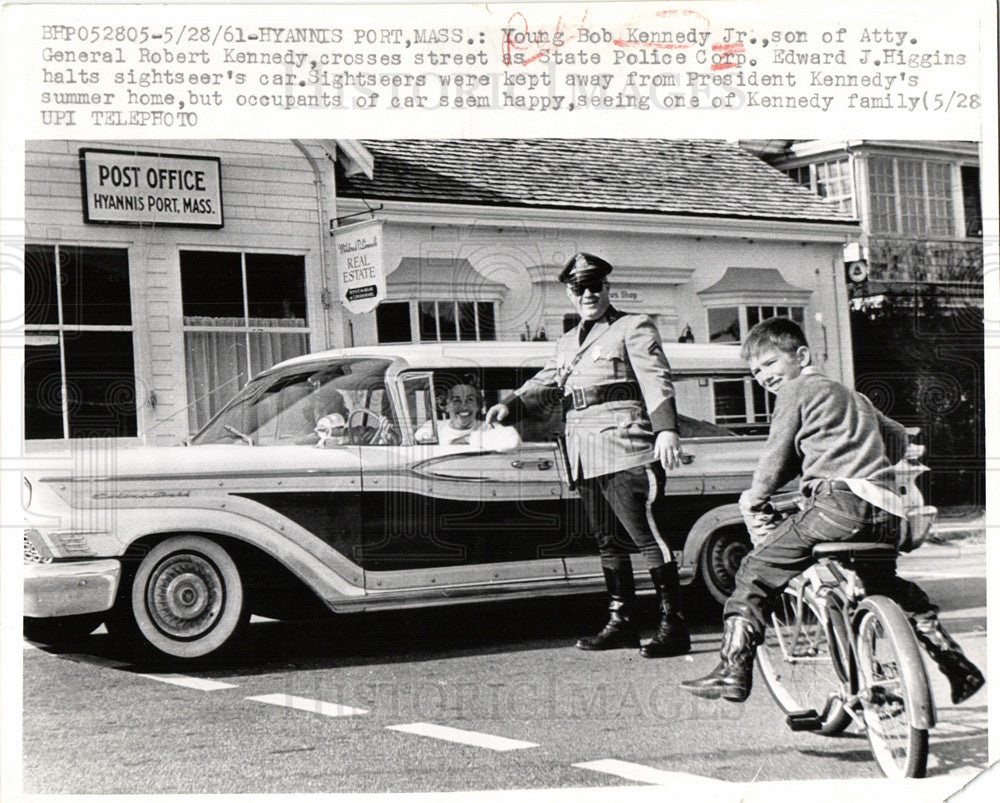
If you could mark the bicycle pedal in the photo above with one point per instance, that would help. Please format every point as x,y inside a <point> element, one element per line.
<point>804,721</point>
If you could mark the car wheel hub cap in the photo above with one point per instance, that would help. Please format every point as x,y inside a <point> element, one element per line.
<point>726,562</point>
<point>185,596</point>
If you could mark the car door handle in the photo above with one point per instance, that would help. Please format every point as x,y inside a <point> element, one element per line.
<point>687,459</point>
<point>541,465</point>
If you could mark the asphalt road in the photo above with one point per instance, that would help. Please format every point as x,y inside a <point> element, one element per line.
<point>476,698</point>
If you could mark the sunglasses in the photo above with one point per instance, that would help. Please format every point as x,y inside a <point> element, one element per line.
<point>579,288</point>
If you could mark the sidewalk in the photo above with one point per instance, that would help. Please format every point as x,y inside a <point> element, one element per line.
<point>958,524</point>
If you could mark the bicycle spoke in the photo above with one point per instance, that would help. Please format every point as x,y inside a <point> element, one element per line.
<point>796,664</point>
<point>898,745</point>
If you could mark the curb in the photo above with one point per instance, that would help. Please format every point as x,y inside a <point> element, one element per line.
<point>961,529</point>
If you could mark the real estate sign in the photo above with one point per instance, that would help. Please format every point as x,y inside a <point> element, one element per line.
<point>360,274</point>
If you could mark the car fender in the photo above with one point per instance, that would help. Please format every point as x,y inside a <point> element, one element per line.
<point>714,519</point>
<point>323,569</point>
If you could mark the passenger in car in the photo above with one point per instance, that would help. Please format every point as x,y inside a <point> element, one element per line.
<point>613,380</point>
<point>462,405</point>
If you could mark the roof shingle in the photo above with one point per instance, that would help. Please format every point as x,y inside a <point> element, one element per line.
<point>680,177</point>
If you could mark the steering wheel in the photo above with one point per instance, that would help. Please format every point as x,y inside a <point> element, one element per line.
<point>384,433</point>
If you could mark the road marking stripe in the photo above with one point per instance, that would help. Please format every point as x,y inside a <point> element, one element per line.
<point>644,774</point>
<point>201,684</point>
<point>305,704</point>
<point>94,660</point>
<point>462,736</point>
<point>938,575</point>
<point>687,784</point>
<point>962,613</point>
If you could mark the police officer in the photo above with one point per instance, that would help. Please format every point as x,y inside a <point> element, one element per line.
<point>621,433</point>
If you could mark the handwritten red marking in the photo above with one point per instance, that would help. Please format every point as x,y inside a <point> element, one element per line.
<point>508,43</point>
<point>555,35</point>
<point>670,12</point>
<point>662,45</point>
<point>726,50</point>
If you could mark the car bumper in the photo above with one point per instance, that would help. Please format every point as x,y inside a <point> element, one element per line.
<point>66,589</point>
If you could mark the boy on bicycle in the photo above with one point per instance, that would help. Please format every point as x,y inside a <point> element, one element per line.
<point>844,449</point>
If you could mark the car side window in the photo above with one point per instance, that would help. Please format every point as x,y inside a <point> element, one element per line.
<point>285,407</point>
<point>424,396</point>
<point>420,406</point>
<point>719,406</point>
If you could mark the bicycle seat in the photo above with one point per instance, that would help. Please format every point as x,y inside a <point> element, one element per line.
<point>851,550</point>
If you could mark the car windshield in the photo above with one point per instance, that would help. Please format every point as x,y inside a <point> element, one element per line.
<point>285,406</point>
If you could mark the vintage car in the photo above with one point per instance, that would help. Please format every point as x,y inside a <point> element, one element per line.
<point>324,484</point>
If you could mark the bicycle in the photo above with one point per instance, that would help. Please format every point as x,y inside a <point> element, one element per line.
<point>835,655</point>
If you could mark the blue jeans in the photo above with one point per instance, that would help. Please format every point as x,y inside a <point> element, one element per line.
<point>830,515</point>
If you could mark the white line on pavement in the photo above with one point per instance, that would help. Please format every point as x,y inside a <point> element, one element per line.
<point>93,660</point>
<point>190,683</point>
<point>461,736</point>
<point>644,774</point>
<point>686,785</point>
<point>938,575</point>
<point>305,704</point>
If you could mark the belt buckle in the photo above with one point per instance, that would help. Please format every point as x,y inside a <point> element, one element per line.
<point>579,399</point>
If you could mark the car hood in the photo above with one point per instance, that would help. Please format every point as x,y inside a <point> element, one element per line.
<point>191,461</point>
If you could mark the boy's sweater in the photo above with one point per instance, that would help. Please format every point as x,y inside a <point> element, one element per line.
<point>825,430</point>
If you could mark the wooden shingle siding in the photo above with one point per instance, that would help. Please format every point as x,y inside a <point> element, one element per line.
<point>269,204</point>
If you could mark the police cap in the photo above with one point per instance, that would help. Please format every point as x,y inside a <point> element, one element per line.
<point>584,268</point>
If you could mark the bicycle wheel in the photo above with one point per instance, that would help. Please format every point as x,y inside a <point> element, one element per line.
<point>796,663</point>
<point>893,692</point>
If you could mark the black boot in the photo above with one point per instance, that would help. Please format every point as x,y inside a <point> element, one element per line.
<point>672,636</point>
<point>963,675</point>
<point>620,630</point>
<point>733,677</point>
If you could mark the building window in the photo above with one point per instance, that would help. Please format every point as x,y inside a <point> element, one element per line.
<point>800,175</point>
<point>833,181</point>
<point>911,197</point>
<point>741,405</point>
<point>971,202</point>
<point>830,180</point>
<point>435,321</point>
<point>79,367</point>
<point>392,320</point>
<point>243,312</point>
<point>731,324</point>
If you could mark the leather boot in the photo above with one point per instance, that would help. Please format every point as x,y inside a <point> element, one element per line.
<point>733,677</point>
<point>672,636</point>
<point>963,675</point>
<point>620,630</point>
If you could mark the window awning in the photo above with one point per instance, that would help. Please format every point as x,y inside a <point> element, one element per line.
<point>753,286</point>
<point>441,278</point>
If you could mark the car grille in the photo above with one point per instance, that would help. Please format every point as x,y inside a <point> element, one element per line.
<point>32,552</point>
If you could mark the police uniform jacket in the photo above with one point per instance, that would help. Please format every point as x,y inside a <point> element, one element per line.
<point>621,367</point>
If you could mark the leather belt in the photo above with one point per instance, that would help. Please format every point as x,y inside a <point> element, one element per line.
<point>582,398</point>
<point>827,485</point>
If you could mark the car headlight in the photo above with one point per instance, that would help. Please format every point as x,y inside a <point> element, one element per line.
<point>35,550</point>
<point>25,494</point>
